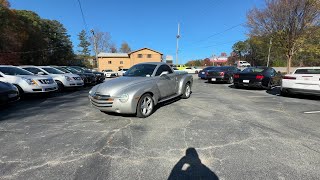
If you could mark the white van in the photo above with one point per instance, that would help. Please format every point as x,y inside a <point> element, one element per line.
<point>62,79</point>
<point>25,81</point>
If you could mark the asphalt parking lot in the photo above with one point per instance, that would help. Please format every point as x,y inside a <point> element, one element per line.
<point>219,132</point>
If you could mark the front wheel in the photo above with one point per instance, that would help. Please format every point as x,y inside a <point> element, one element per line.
<point>187,91</point>
<point>145,106</point>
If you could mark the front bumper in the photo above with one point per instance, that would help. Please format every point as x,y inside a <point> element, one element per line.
<point>40,89</point>
<point>9,97</point>
<point>111,104</point>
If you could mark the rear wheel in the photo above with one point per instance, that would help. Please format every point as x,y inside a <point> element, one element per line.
<point>145,106</point>
<point>269,87</point>
<point>236,86</point>
<point>187,91</point>
<point>230,80</point>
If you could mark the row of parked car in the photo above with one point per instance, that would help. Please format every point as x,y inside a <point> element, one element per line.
<point>16,81</point>
<point>304,80</point>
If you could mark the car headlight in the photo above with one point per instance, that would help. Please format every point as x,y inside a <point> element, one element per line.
<point>30,81</point>
<point>90,92</point>
<point>68,78</point>
<point>123,98</point>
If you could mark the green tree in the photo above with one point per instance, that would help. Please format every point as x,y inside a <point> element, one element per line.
<point>84,44</point>
<point>241,48</point>
<point>289,22</point>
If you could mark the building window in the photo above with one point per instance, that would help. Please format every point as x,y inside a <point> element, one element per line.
<point>149,55</point>
<point>109,62</point>
<point>139,55</point>
<point>121,62</point>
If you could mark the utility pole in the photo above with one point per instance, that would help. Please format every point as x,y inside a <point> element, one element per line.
<point>270,43</point>
<point>95,47</point>
<point>177,49</point>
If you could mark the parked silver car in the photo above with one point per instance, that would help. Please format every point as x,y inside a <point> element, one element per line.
<point>142,87</point>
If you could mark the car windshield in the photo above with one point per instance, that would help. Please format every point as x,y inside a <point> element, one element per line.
<point>307,71</point>
<point>13,71</point>
<point>108,70</point>
<point>141,70</point>
<point>210,68</point>
<point>253,70</point>
<point>52,70</point>
<point>72,70</point>
<point>62,69</point>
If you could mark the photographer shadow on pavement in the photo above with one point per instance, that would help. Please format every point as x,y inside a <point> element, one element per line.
<point>190,167</point>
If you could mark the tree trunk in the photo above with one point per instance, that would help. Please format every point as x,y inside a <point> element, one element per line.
<point>289,63</point>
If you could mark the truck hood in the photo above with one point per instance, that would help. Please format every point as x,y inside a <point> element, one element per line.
<point>116,85</point>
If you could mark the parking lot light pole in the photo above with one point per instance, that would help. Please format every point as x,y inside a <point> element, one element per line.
<point>270,43</point>
<point>95,47</point>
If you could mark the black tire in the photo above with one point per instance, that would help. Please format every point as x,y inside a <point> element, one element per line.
<point>230,80</point>
<point>142,111</point>
<point>21,92</point>
<point>269,87</point>
<point>187,91</point>
<point>60,86</point>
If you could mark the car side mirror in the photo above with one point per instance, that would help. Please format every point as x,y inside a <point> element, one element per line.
<point>164,73</point>
<point>40,73</point>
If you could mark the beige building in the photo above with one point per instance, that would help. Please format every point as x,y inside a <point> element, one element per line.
<point>116,61</point>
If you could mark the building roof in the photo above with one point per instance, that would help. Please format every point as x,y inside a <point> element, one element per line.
<point>144,49</point>
<point>113,55</point>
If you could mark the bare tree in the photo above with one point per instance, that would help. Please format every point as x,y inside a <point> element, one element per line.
<point>101,42</point>
<point>125,48</point>
<point>288,21</point>
<point>113,48</point>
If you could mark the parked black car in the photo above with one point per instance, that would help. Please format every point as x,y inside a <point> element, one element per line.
<point>99,76</point>
<point>222,74</point>
<point>259,77</point>
<point>204,72</point>
<point>8,93</point>
<point>88,78</point>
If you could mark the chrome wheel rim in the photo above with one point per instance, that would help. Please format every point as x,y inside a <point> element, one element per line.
<point>231,79</point>
<point>188,91</point>
<point>146,106</point>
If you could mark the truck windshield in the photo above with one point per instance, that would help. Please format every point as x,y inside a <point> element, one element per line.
<point>141,70</point>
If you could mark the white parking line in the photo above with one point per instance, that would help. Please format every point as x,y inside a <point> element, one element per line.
<point>311,112</point>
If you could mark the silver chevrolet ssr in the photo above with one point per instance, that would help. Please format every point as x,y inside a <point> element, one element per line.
<point>142,87</point>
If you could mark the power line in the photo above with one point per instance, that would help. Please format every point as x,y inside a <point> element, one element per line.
<point>218,33</point>
<point>83,18</point>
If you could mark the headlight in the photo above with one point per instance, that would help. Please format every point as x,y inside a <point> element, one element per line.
<point>123,98</point>
<point>68,78</point>
<point>30,81</point>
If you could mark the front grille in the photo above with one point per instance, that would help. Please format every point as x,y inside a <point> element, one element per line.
<point>77,78</point>
<point>101,100</point>
<point>46,81</point>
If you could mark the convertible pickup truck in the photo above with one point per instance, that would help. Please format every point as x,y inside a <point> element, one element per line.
<point>142,87</point>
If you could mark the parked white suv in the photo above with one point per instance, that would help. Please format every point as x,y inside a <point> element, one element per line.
<point>25,81</point>
<point>62,79</point>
